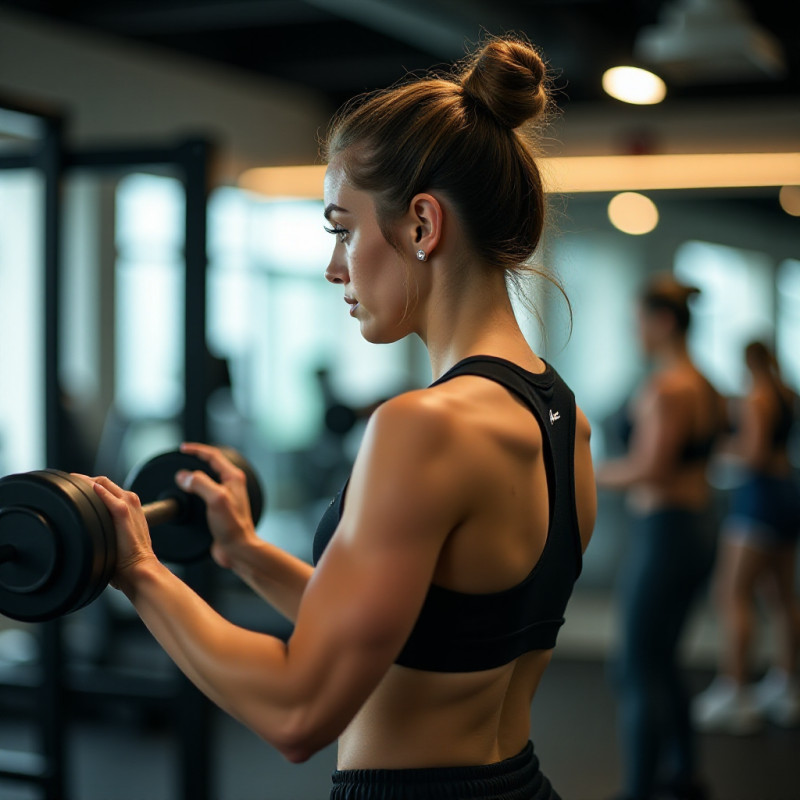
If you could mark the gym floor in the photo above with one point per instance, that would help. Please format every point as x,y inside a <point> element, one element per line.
<point>118,753</point>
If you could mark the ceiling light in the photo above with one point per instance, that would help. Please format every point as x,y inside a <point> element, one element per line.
<point>634,85</point>
<point>789,198</point>
<point>633,213</point>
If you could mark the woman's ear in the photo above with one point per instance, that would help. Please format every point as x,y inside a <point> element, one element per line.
<point>425,225</point>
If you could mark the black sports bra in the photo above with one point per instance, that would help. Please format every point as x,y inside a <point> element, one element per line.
<point>695,450</point>
<point>463,632</point>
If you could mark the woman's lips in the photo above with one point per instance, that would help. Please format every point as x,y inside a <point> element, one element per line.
<point>353,303</point>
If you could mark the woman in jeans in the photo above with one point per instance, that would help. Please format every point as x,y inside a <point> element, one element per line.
<point>674,423</point>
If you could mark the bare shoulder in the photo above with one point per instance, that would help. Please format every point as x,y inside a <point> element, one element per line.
<point>416,419</point>
<point>583,428</point>
<point>670,391</point>
<point>407,439</point>
<point>406,484</point>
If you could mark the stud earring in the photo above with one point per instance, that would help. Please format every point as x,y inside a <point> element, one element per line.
<point>422,255</point>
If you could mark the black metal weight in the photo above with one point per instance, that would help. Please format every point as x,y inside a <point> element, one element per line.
<point>57,543</point>
<point>178,525</point>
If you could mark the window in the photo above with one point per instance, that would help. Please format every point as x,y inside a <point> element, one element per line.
<point>22,442</point>
<point>736,304</point>
<point>149,297</point>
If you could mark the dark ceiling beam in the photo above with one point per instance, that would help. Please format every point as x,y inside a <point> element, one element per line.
<point>431,28</point>
<point>350,74</point>
<point>194,17</point>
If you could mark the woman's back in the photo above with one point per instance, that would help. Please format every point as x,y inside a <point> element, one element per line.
<point>767,420</point>
<point>678,418</point>
<point>418,717</point>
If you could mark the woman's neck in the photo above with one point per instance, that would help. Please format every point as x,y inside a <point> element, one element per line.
<point>672,353</point>
<point>475,317</point>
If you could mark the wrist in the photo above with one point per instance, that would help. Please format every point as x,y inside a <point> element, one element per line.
<point>234,552</point>
<point>130,577</point>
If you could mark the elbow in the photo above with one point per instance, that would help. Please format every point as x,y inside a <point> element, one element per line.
<point>298,738</point>
<point>296,753</point>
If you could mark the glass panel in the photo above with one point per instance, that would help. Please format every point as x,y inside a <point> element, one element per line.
<point>787,332</point>
<point>736,304</point>
<point>149,297</point>
<point>22,435</point>
<point>601,360</point>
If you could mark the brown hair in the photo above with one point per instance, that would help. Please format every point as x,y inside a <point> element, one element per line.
<point>665,293</point>
<point>457,133</point>
<point>759,355</point>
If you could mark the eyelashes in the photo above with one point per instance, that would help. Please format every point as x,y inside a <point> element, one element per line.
<point>341,233</point>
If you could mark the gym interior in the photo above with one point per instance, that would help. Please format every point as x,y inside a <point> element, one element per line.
<point>161,279</point>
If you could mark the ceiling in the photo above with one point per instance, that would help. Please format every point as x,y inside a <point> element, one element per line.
<point>704,48</point>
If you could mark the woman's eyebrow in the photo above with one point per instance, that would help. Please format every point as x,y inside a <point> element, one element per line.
<point>333,207</point>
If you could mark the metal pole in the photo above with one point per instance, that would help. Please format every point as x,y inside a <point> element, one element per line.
<point>52,697</point>
<point>194,717</point>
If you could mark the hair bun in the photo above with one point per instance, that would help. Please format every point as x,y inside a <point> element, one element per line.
<point>507,77</point>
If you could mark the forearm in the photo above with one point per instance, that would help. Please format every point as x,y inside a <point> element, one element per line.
<point>243,672</point>
<point>277,576</point>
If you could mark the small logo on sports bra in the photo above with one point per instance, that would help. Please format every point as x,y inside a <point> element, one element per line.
<point>554,416</point>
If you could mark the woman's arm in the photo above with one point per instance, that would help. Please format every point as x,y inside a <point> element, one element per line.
<point>658,432</point>
<point>358,608</point>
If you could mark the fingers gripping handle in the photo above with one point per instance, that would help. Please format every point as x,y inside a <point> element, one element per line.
<point>57,538</point>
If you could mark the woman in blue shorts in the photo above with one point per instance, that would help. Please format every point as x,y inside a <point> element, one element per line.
<point>758,552</point>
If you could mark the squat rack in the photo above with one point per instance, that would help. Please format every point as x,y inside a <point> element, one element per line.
<point>190,158</point>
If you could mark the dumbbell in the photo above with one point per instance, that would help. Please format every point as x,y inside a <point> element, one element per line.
<point>58,548</point>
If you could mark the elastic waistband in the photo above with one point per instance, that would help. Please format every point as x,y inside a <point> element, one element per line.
<point>465,782</point>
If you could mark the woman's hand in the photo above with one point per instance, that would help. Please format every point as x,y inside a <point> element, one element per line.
<point>227,503</point>
<point>132,532</point>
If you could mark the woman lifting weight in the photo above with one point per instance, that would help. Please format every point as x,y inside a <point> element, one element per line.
<point>444,566</point>
<point>675,421</point>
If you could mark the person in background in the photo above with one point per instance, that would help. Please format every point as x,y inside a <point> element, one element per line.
<point>674,422</point>
<point>758,551</point>
<point>444,566</point>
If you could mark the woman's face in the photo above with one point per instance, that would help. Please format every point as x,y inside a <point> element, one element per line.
<point>371,271</point>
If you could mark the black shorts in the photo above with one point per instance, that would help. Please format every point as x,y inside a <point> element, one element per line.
<point>516,778</point>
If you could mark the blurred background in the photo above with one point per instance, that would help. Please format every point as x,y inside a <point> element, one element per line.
<point>161,261</point>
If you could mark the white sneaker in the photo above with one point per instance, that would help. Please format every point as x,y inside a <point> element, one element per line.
<point>777,697</point>
<point>725,707</point>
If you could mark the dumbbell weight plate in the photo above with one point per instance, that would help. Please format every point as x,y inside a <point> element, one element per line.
<point>46,517</point>
<point>187,538</point>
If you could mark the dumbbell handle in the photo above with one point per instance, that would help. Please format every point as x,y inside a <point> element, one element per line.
<point>168,509</point>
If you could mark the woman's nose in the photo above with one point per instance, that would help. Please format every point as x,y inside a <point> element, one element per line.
<point>335,273</point>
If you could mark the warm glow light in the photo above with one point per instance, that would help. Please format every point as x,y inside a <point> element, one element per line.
<point>789,198</point>
<point>691,171</point>
<point>633,213</point>
<point>305,181</point>
<point>574,174</point>
<point>634,85</point>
